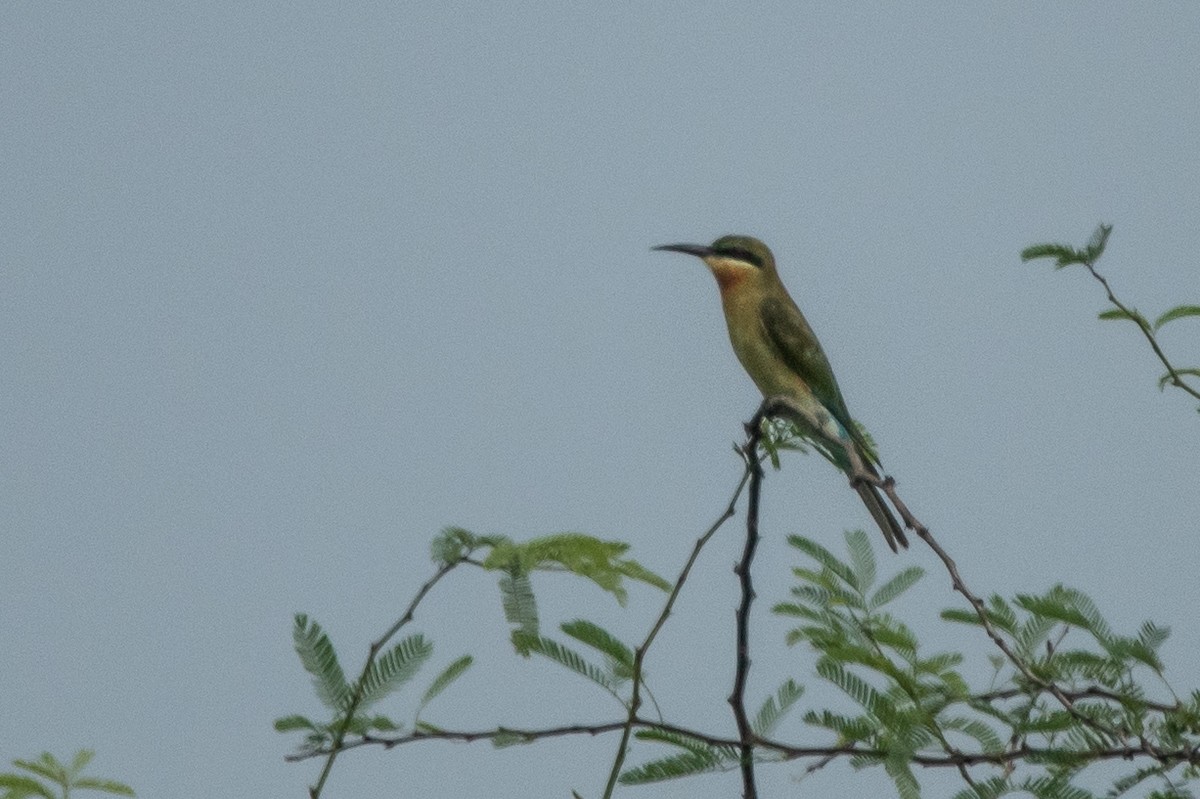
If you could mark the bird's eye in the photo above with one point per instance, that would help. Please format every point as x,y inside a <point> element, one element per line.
<point>742,254</point>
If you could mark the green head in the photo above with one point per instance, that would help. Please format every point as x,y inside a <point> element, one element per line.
<point>729,253</point>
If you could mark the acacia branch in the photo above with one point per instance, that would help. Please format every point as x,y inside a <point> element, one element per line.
<point>1176,379</point>
<point>737,699</point>
<point>889,487</point>
<point>827,754</point>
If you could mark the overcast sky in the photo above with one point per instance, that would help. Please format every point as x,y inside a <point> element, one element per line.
<point>286,288</point>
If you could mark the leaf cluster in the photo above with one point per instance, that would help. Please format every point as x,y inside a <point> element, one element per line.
<point>1065,255</point>
<point>66,777</point>
<point>387,671</point>
<point>1086,702</point>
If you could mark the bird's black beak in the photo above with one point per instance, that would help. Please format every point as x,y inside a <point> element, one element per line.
<point>698,250</point>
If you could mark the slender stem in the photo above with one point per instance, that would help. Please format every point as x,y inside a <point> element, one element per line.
<point>359,686</point>
<point>737,699</point>
<point>1176,379</point>
<point>639,655</point>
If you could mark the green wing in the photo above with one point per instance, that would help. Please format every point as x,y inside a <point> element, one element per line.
<point>797,346</point>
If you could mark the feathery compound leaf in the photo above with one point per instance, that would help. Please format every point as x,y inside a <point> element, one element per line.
<point>1061,253</point>
<point>684,764</point>
<point>585,555</point>
<point>897,586</point>
<point>79,762</point>
<point>1032,634</point>
<point>826,558</point>
<point>775,707</point>
<point>988,740</point>
<point>854,687</point>
<point>1054,788</point>
<point>568,657</point>
<point>1083,603</point>
<point>395,668</point>
<point>45,766</point>
<point>17,786</point>
<point>1152,636</point>
<point>443,680</point>
<point>849,730</point>
<point>603,641</point>
<point>906,782</point>
<point>107,786</point>
<point>1097,243</point>
<point>862,559</point>
<point>520,607</point>
<point>293,723</point>
<point>1178,312</point>
<point>452,544</point>
<point>320,660</point>
<point>1119,313</point>
<point>986,789</point>
<point>675,739</point>
<point>961,615</point>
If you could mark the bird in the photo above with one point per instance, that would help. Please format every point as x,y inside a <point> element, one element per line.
<point>780,352</point>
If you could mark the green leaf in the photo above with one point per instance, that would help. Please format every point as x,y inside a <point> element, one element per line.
<point>1118,313</point>
<point>520,607</point>
<point>453,544</point>
<point>394,668</point>
<point>988,740</point>
<point>503,738</point>
<point>906,782</point>
<point>1096,245</point>
<point>293,723</point>
<point>986,789</point>
<point>443,680</point>
<point>825,558</point>
<point>1065,255</point>
<point>1152,636</point>
<point>1062,253</point>
<point>1056,787</point>
<point>961,615</point>
<point>45,766</point>
<point>79,762</point>
<point>320,660</point>
<point>1169,378</point>
<point>381,724</point>
<point>849,729</point>
<point>897,586</point>
<point>584,555</point>
<point>862,559</point>
<point>854,687</point>
<point>565,656</point>
<point>938,664</point>
<point>774,708</point>
<point>1032,634</point>
<point>684,764</point>
<point>18,786</point>
<point>107,786</point>
<point>1178,312</point>
<point>595,636</point>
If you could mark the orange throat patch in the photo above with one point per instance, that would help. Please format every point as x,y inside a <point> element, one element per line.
<point>728,277</point>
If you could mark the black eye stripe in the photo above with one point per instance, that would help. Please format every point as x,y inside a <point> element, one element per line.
<point>741,254</point>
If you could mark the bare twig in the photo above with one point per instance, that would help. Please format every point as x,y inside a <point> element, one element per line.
<point>1176,379</point>
<point>827,754</point>
<point>639,654</point>
<point>376,647</point>
<point>737,699</point>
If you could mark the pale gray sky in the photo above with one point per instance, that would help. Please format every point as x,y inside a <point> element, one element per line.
<point>288,287</point>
